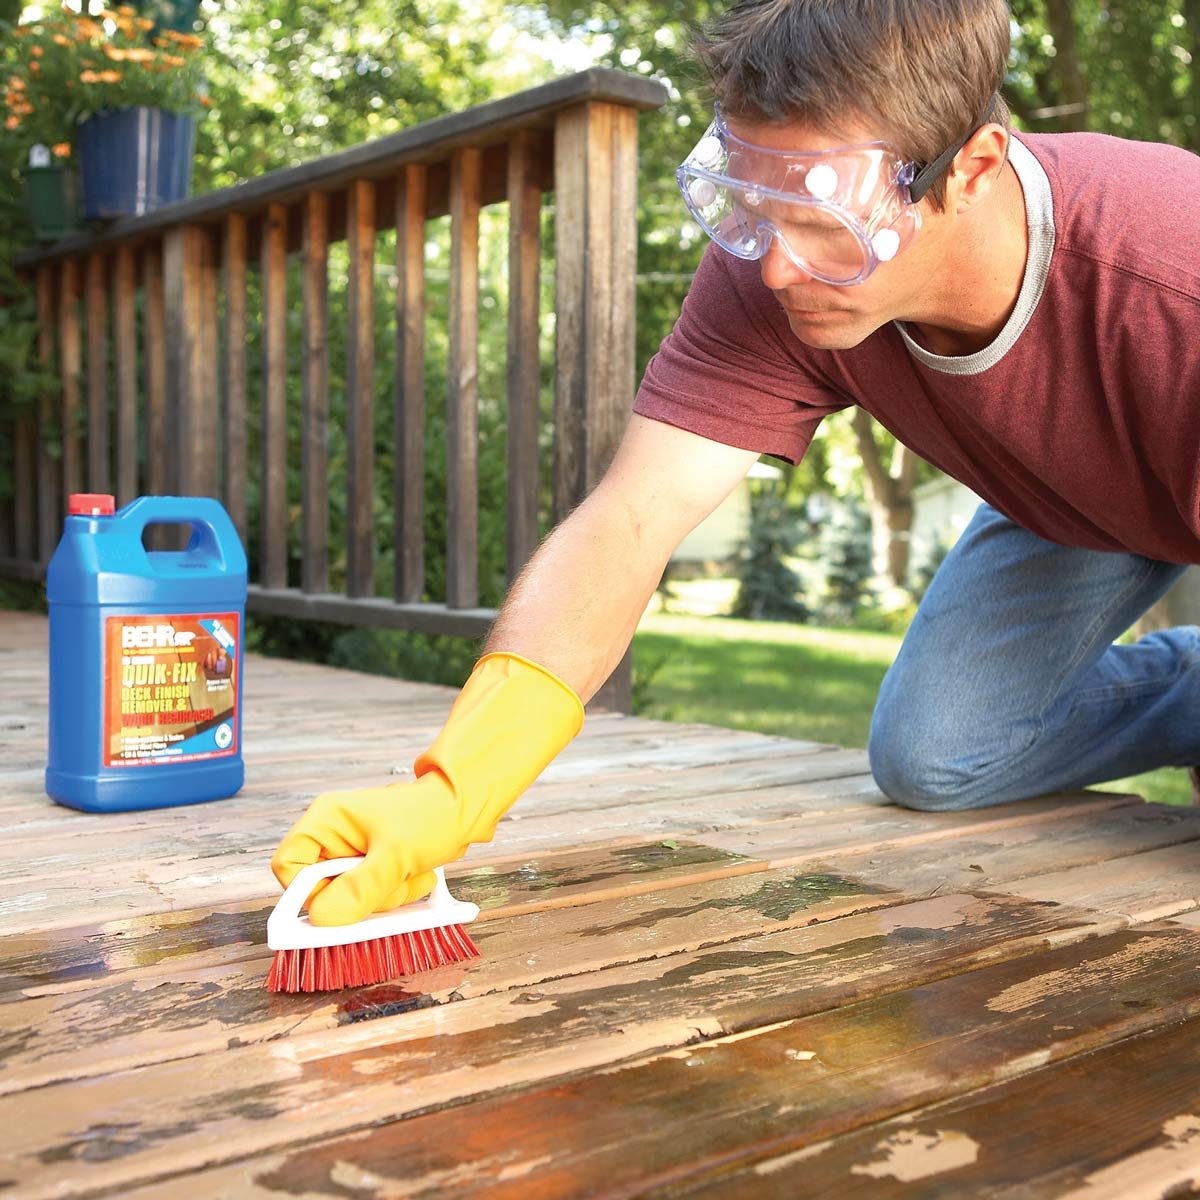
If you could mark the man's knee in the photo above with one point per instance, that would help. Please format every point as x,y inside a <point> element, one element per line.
<point>920,765</point>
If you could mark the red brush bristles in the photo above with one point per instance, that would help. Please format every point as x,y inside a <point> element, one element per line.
<point>331,968</point>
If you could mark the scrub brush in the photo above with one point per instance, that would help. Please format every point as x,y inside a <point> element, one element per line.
<point>419,936</point>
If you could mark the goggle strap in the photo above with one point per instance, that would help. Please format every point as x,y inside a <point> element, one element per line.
<point>928,175</point>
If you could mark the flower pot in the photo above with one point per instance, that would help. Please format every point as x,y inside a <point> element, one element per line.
<point>52,197</point>
<point>180,15</point>
<point>134,160</point>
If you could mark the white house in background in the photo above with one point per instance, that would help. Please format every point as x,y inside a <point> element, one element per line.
<point>718,536</point>
<point>941,510</point>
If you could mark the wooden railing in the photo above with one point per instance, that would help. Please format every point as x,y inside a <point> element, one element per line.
<point>178,376</point>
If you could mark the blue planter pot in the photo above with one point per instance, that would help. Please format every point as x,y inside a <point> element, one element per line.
<point>133,160</point>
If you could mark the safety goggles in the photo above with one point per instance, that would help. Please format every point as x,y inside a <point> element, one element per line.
<point>836,213</point>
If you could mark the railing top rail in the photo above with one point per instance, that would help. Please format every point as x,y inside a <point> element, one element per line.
<point>430,142</point>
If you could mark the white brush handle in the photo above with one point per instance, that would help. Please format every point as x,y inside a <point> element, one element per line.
<point>290,929</point>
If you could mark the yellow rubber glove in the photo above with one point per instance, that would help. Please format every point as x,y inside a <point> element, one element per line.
<point>508,722</point>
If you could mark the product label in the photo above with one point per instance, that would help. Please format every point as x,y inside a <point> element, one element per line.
<point>170,688</point>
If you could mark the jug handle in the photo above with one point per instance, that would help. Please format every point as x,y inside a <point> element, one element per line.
<point>206,516</point>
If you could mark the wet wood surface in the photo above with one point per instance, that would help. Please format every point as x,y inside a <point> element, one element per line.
<point>714,963</point>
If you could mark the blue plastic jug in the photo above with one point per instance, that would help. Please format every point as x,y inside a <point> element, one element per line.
<point>145,656</point>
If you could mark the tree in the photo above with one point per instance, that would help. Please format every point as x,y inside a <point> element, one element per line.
<point>767,586</point>
<point>889,488</point>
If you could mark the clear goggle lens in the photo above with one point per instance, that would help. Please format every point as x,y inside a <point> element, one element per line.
<point>837,215</point>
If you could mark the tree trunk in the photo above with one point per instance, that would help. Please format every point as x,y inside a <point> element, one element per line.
<point>1072,81</point>
<point>889,491</point>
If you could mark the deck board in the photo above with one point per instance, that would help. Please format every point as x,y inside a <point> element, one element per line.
<point>677,922</point>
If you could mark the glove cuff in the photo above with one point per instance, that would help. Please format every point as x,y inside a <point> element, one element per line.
<point>510,720</point>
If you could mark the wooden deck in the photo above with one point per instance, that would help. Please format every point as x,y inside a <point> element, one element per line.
<point>714,964</point>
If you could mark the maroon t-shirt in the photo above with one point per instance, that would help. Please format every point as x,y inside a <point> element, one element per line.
<point>1081,422</point>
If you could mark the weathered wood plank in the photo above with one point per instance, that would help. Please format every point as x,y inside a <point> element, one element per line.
<point>614,1050</point>
<point>125,339</point>
<point>462,401</point>
<point>186,1005</point>
<point>272,567</point>
<point>1151,886</point>
<point>409,462</point>
<point>1115,1124</point>
<point>233,269</point>
<point>181,881</point>
<point>360,391</point>
<point>314,568</point>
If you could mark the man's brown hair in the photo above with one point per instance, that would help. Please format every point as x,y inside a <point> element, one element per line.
<point>921,73</point>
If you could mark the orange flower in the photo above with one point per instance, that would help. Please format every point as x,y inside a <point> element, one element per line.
<point>61,150</point>
<point>35,67</point>
<point>115,54</point>
<point>126,10</point>
<point>17,85</point>
<point>36,51</point>
<point>144,24</point>
<point>205,101</point>
<point>59,40</point>
<point>191,40</point>
<point>173,60</point>
<point>12,123</point>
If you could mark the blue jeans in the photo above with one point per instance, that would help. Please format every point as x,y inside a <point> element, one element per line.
<point>1008,684</point>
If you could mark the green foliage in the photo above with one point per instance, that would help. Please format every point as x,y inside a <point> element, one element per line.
<point>767,586</point>
<point>846,542</point>
<point>923,572</point>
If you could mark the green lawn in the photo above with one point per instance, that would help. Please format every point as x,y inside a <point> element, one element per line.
<point>797,680</point>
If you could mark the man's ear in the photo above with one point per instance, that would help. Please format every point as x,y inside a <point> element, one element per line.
<point>976,168</point>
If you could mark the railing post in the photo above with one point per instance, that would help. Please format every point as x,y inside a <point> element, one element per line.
<point>189,284</point>
<point>96,306</point>
<point>272,502</point>
<point>524,251</point>
<point>154,314</point>
<point>233,268</point>
<point>595,170</point>
<point>70,360</point>
<point>462,370</point>
<point>409,473</point>
<point>360,390</point>
<point>314,385</point>
<point>125,336</point>
<point>49,483</point>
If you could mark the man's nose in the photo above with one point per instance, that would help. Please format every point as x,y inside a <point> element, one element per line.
<point>777,269</point>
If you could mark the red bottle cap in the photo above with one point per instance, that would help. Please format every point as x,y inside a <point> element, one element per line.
<point>90,504</point>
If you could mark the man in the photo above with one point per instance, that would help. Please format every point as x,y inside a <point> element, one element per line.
<point>1023,312</point>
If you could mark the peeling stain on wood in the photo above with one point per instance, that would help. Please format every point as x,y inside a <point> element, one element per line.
<point>909,1155</point>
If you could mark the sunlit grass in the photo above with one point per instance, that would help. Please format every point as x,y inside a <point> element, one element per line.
<point>800,681</point>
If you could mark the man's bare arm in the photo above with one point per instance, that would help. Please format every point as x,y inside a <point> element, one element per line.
<point>576,604</point>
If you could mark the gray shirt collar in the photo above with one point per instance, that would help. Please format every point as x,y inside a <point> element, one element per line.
<point>1039,211</point>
